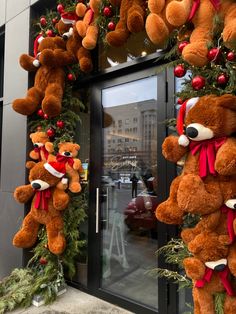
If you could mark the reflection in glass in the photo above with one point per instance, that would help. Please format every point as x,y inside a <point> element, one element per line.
<point>128,197</point>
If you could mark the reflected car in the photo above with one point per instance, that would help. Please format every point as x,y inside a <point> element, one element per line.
<point>140,212</point>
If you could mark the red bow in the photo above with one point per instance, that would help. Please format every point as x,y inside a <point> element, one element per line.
<point>65,159</point>
<point>195,6</point>
<point>207,154</point>
<point>231,215</point>
<point>38,150</point>
<point>91,16</point>
<point>42,197</point>
<point>223,277</point>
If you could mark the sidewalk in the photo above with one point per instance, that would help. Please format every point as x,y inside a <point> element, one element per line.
<point>74,302</point>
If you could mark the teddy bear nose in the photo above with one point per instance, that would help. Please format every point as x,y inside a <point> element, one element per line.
<point>36,186</point>
<point>67,153</point>
<point>219,267</point>
<point>191,132</point>
<point>234,206</point>
<point>36,145</point>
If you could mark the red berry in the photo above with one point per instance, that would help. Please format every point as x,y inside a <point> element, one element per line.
<point>180,101</point>
<point>198,82</point>
<point>213,54</point>
<point>60,124</point>
<point>49,33</point>
<point>107,11</point>
<point>60,8</point>
<point>222,79</point>
<point>40,113</point>
<point>45,116</point>
<point>70,77</point>
<point>111,26</point>
<point>179,70</point>
<point>43,21</point>
<point>230,56</point>
<point>50,132</point>
<point>43,261</point>
<point>182,45</point>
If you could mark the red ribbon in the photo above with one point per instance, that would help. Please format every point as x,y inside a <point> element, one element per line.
<point>223,277</point>
<point>91,15</point>
<point>207,154</point>
<point>196,4</point>
<point>43,149</point>
<point>231,215</point>
<point>42,197</point>
<point>65,159</point>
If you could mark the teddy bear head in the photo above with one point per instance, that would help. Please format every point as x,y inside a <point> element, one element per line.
<point>39,139</point>
<point>208,117</point>
<point>68,149</point>
<point>209,247</point>
<point>44,175</point>
<point>52,43</point>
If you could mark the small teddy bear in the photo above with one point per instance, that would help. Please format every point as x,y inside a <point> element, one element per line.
<point>210,121</point>
<point>132,20</point>
<point>49,78</point>
<point>39,140</point>
<point>67,152</point>
<point>210,269</point>
<point>47,203</point>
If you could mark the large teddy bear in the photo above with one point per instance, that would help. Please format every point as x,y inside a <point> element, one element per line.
<point>209,121</point>
<point>40,151</point>
<point>201,14</point>
<point>87,27</point>
<point>49,78</point>
<point>132,20</point>
<point>47,203</point>
<point>67,152</point>
<point>211,269</point>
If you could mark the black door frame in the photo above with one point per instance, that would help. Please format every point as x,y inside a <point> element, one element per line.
<point>167,294</point>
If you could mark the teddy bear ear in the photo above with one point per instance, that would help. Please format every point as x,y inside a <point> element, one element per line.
<point>31,135</point>
<point>77,147</point>
<point>30,164</point>
<point>224,239</point>
<point>59,42</point>
<point>194,247</point>
<point>227,101</point>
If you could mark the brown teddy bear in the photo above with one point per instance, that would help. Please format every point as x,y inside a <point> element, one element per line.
<point>49,79</point>
<point>74,45</point>
<point>87,27</point>
<point>46,206</point>
<point>67,152</point>
<point>157,27</point>
<point>39,140</point>
<point>210,268</point>
<point>132,20</point>
<point>209,122</point>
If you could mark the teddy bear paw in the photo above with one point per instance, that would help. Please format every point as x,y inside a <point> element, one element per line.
<point>75,187</point>
<point>176,13</point>
<point>51,106</point>
<point>169,213</point>
<point>196,54</point>
<point>135,22</point>
<point>24,239</point>
<point>57,245</point>
<point>229,34</point>
<point>24,106</point>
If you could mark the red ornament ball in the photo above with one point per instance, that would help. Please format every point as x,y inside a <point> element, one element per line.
<point>54,20</point>
<point>43,21</point>
<point>213,54</point>
<point>182,45</point>
<point>180,101</point>
<point>60,8</point>
<point>39,128</point>
<point>71,77</point>
<point>43,261</point>
<point>198,82</point>
<point>45,116</point>
<point>60,124</point>
<point>179,70</point>
<point>107,11</point>
<point>230,56</point>
<point>50,132</point>
<point>111,26</point>
<point>49,33</point>
<point>40,113</point>
<point>222,79</point>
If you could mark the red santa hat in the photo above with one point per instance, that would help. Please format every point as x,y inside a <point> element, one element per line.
<point>57,169</point>
<point>69,17</point>
<point>37,41</point>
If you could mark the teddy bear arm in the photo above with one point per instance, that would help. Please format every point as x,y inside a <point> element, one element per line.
<point>49,147</point>
<point>24,193</point>
<point>47,57</point>
<point>77,164</point>
<point>34,155</point>
<point>119,36</point>
<point>136,15</point>
<point>90,40</point>
<point>85,60</point>
<point>156,6</point>
<point>225,163</point>
<point>232,259</point>
<point>157,29</point>
<point>26,63</point>
<point>195,269</point>
<point>60,199</point>
<point>51,103</point>
<point>63,57</point>
<point>177,12</point>
<point>171,149</point>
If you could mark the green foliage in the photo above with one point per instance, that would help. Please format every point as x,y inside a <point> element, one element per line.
<point>40,29</point>
<point>219,299</point>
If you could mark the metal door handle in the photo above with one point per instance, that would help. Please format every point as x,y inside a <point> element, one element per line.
<point>107,208</point>
<point>97,210</point>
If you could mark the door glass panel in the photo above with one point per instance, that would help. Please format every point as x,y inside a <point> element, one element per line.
<point>128,194</point>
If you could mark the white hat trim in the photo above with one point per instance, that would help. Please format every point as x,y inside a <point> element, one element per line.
<point>53,171</point>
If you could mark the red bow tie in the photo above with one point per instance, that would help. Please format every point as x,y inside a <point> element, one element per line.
<point>65,159</point>
<point>42,198</point>
<point>38,150</point>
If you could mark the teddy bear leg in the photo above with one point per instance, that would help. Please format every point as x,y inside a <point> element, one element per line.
<point>135,21</point>
<point>90,40</point>
<point>60,199</point>
<point>119,36</point>
<point>232,259</point>
<point>195,196</point>
<point>51,103</point>
<point>81,28</point>
<point>225,163</point>
<point>28,105</point>
<point>27,235</point>
<point>229,31</point>
<point>177,12</point>
<point>56,239</point>
<point>229,305</point>
<point>85,60</point>
<point>169,212</point>
<point>204,300</point>
<point>156,29</point>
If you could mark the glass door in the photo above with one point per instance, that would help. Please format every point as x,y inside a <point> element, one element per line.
<point>130,183</point>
